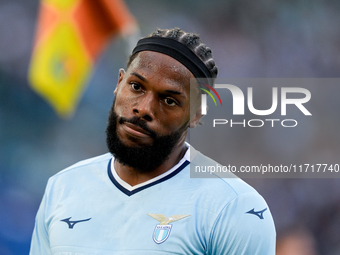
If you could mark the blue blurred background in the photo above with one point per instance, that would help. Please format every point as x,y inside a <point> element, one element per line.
<point>250,39</point>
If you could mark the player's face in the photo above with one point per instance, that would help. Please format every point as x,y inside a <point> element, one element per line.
<point>156,91</point>
<point>151,111</point>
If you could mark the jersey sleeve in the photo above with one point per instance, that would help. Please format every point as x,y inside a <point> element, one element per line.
<point>244,227</point>
<point>40,244</point>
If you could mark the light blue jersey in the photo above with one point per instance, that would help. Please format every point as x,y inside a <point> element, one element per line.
<point>88,209</point>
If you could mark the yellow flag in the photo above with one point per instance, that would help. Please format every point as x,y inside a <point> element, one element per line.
<point>70,35</point>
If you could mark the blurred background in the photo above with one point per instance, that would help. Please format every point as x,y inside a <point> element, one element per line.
<point>250,39</point>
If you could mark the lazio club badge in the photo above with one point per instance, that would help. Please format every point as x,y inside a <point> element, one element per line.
<point>161,233</point>
<point>162,230</point>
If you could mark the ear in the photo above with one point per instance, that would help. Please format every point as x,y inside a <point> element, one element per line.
<point>195,118</point>
<point>120,78</point>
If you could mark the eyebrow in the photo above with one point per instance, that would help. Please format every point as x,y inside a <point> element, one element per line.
<point>175,92</point>
<point>167,91</point>
<point>139,76</point>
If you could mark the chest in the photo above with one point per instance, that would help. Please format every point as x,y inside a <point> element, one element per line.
<point>141,224</point>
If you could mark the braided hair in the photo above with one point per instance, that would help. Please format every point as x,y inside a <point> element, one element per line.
<point>192,41</point>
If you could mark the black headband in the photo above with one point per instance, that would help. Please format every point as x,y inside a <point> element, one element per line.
<point>176,50</point>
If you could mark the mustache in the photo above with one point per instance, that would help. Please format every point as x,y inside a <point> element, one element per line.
<point>140,123</point>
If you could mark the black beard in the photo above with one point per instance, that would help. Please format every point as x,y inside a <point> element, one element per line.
<point>143,159</point>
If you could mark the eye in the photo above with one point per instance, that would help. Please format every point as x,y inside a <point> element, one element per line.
<point>136,87</point>
<point>170,101</point>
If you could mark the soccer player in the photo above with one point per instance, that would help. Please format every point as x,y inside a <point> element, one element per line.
<point>139,198</point>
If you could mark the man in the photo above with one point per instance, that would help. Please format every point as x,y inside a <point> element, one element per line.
<point>139,198</point>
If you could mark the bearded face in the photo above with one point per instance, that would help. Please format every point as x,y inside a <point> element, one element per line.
<point>142,158</point>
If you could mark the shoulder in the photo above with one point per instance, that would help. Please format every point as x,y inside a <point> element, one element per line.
<point>81,172</point>
<point>227,197</point>
<point>83,164</point>
<point>229,188</point>
<point>239,212</point>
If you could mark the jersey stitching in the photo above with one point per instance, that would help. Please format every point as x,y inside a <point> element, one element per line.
<point>219,216</point>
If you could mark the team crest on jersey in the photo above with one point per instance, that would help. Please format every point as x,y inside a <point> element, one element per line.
<point>161,233</point>
<point>162,230</point>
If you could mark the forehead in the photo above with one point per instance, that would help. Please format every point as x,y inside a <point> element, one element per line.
<point>160,66</point>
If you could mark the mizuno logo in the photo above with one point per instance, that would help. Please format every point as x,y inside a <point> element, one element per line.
<point>258,213</point>
<point>72,223</point>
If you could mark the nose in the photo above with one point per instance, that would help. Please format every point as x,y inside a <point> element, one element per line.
<point>145,107</point>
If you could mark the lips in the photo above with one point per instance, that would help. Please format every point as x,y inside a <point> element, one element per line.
<point>135,130</point>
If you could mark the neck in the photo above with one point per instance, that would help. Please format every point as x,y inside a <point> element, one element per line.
<point>134,177</point>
